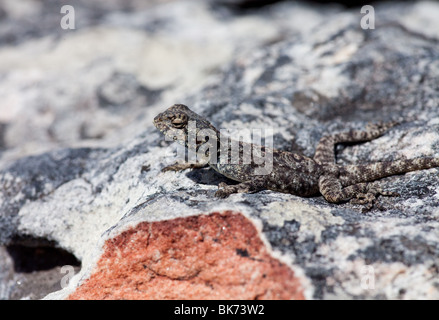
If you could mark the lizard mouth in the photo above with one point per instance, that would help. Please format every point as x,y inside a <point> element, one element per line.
<point>158,123</point>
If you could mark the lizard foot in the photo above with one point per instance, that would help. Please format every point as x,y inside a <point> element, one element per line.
<point>224,190</point>
<point>183,166</point>
<point>368,199</point>
<point>173,167</point>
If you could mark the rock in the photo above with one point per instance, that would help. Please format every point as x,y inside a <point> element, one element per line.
<point>80,169</point>
<point>215,256</point>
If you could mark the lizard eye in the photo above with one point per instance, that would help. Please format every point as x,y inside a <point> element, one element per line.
<point>179,121</point>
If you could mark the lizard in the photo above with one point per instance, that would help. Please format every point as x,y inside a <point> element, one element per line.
<point>290,172</point>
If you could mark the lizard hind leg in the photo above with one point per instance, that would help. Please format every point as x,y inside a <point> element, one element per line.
<point>368,199</point>
<point>360,193</point>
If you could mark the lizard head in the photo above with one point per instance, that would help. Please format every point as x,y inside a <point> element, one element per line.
<point>179,123</point>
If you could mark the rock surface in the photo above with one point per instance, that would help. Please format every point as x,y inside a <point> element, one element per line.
<point>80,159</point>
<point>215,256</point>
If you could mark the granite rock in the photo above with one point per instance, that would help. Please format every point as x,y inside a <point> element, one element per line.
<point>80,169</point>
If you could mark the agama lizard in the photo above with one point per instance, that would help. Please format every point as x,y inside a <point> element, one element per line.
<point>287,172</point>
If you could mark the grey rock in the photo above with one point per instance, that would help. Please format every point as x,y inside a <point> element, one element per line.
<point>106,175</point>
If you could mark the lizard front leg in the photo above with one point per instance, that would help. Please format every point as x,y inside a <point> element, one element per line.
<point>325,152</point>
<point>183,166</point>
<point>251,186</point>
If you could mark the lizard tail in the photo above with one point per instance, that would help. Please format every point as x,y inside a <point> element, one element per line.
<point>351,174</point>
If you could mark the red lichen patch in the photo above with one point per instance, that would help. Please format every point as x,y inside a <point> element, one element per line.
<point>215,256</point>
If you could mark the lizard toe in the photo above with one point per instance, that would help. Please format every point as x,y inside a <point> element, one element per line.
<point>222,185</point>
<point>221,193</point>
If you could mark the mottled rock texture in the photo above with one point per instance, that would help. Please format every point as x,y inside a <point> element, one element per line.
<point>80,160</point>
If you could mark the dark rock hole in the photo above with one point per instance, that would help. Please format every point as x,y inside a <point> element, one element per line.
<point>29,259</point>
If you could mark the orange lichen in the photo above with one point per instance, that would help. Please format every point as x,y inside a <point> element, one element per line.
<point>215,256</point>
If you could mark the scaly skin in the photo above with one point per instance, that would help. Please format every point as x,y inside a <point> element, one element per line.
<point>267,168</point>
